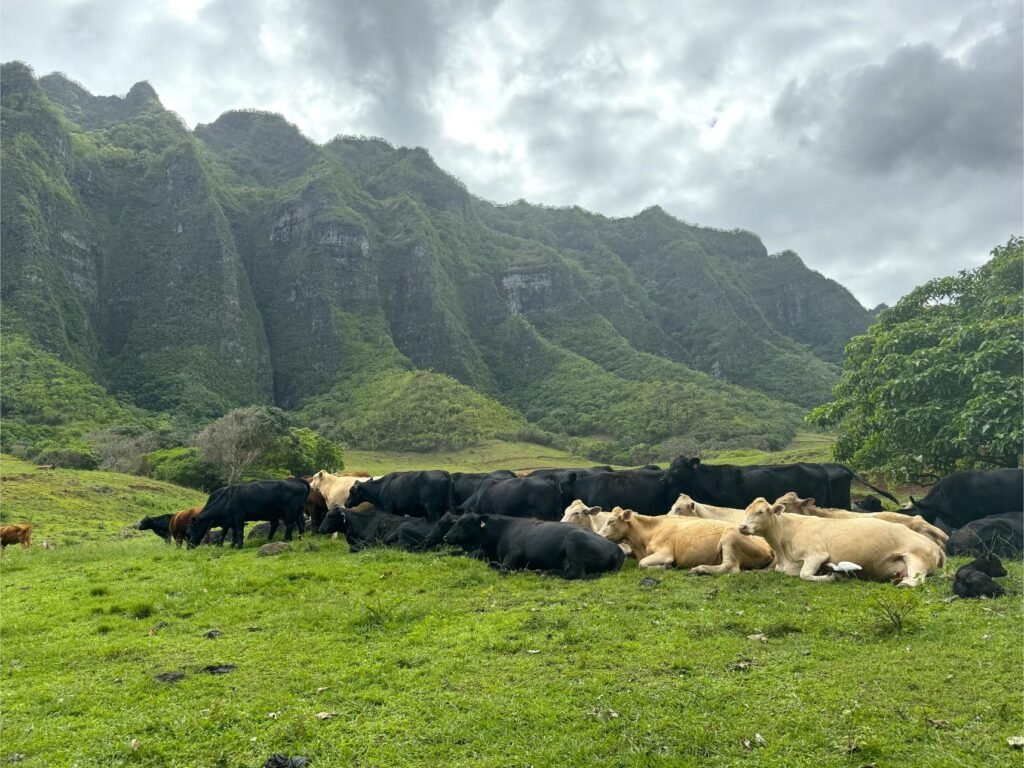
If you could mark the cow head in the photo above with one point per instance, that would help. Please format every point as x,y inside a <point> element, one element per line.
<point>761,516</point>
<point>466,531</point>
<point>684,507</point>
<point>197,530</point>
<point>316,479</point>
<point>989,564</point>
<point>792,503</point>
<point>334,522</point>
<point>357,495</point>
<point>681,472</point>
<point>618,524</point>
<point>579,513</point>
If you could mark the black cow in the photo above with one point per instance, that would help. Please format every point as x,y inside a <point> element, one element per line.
<point>962,497</point>
<point>642,490</point>
<point>520,497</point>
<point>975,578</point>
<point>840,477</point>
<point>235,505</point>
<point>516,543</point>
<point>160,525</point>
<point>561,474</point>
<point>992,534</point>
<point>371,528</point>
<point>726,485</point>
<point>465,484</point>
<point>419,494</point>
<point>868,504</point>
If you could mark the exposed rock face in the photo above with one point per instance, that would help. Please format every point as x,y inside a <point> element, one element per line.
<point>242,263</point>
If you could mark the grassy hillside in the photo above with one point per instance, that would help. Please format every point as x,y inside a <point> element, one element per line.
<point>432,659</point>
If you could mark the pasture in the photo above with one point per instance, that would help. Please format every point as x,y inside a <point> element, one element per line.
<point>431,659</point>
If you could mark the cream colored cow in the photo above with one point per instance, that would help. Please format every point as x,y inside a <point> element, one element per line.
<point>585,516</point>
<point>805,545</point>
<point>687,507</point>
<point>335,488</point>
<point>706,546</point>
<point>797,506</point>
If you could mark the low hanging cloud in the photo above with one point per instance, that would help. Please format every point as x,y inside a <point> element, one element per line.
<point>880,141</point>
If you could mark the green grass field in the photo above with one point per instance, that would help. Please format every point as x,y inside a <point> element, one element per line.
<point>437,660</point>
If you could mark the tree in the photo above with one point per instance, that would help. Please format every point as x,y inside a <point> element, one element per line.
<point>936,383</point>
<point>242,438</point>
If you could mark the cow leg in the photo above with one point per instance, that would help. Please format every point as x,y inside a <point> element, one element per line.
<point>239,535</point>
<point>273,529</point>
<point>658,560</point>
<point>812,564</point>
<point>916,570</point>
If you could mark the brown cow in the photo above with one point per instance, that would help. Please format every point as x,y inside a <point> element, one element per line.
<point>16,534</point>
<point>316,509</point>
<point>180,523</point>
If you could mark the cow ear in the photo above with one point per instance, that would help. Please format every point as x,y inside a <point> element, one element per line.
<point>777,509</point>
<point>809,502</point>
<point>593,510</point>
<point>694,461</point>
<point>627,514</point>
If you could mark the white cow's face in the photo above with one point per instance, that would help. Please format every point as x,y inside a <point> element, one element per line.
<point>579,514</point>
<point>760,516</point>
<point>618,524</point>
<point>684,506</point>
<point>314,482</point>
<point>790,502</point>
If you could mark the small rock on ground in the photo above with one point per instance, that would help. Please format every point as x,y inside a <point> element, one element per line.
<point>273,548</point>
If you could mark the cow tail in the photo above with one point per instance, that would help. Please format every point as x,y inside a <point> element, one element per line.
<point>862,481</point>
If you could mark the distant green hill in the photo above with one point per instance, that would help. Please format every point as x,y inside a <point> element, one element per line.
<point>189,272</point>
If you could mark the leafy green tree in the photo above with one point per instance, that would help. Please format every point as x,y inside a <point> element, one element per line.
<point>301,452</point>
<point>936,383</point>
<point>183,466</point>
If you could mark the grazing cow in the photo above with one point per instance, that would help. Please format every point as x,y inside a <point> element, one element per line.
<point>704,546</point>
<point>797,506</point>
<point>591,518</point>
<point>418,494</point>
<point>335,488</point>
<point>519,497</point>
<point>465,484</point>
<point>16,534</point>
<point>642,490</point>
<point>235,505</point>
<point>363,529</point>
<point>975,578</point>
<point>806,545</point>
<point>687,507</point>
<point>160,525</point>
<point>517,543</point>
<point>962,497</point>
<point>180,524</point>
<point>994,534</point>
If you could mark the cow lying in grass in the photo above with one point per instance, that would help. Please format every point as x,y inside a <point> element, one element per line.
<point>687,507</point>
<point>706,546</point>
<point>591,518</point>
<point>995,534</point>
<point>976,578</point>
<point>805,546</point>
<point>363,529</point>
<point>525,543</point>
<point>797,506</point>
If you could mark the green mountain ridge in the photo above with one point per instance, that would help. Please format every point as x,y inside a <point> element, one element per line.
<point>191,272</point>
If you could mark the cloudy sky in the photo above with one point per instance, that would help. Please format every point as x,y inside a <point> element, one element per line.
<point>880,140</point>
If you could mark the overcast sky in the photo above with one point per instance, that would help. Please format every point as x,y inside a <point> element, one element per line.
<point>880,140</point>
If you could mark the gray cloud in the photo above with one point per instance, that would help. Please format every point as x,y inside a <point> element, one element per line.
<point>881,141</point>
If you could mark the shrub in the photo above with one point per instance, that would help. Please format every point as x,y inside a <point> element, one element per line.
<point>182,466</point>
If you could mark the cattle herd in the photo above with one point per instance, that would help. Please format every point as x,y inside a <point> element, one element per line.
<point>580,523</point>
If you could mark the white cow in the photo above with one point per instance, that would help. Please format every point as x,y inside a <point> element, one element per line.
<point>579,513</point>
<point>687,507</point>
<point>805,545</point>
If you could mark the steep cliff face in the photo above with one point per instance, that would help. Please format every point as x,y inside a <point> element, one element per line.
<point>240,262</point>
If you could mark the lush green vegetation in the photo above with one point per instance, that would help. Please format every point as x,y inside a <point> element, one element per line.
<point>192,273</point>
<point>935,384</point>
<point>431,659</point>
